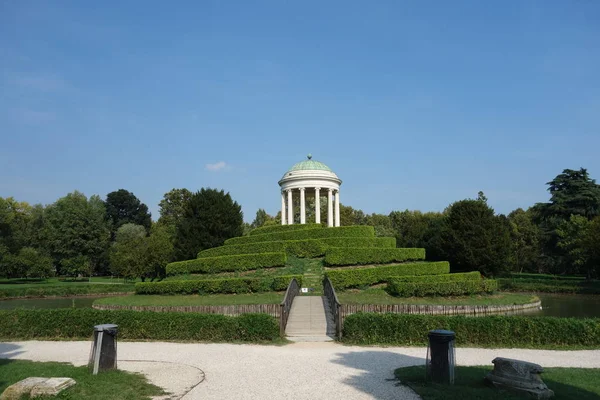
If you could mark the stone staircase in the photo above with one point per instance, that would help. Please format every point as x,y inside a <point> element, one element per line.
<point>310,320</point>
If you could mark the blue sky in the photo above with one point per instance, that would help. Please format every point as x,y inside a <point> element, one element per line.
<point>413,104</point>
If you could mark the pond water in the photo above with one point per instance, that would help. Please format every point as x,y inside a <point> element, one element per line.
<point>568,305</point>
<point>59,302</point>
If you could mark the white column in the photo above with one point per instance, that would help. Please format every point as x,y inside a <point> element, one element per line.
<point>337,208</point>
<point>283,220</point>
<point>330,208</point>
<point>302,206</point>
<point>290,210</point>
<point>317,205</point>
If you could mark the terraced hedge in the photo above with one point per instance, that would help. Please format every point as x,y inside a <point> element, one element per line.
<point>357,277</point>
<point>250,248</point>
<point>320,233</point>
<point>335,256</point>
<point>300,248</point>
<point>458,277</point>
<point>214,286</point>
<point>78,323</point>
<point>487,331</point>
<point>379,242</point>
<point>448,288</point>
<point>241,262</point>
<point>283,228</point>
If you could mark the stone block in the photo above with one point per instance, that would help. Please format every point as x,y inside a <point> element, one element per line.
<point>36,387</point>
<point>519,376</point>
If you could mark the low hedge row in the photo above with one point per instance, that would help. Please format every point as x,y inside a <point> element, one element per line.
<point>379,242</point>
<point>240,262</point>
<point>213,286</point>
<point>548,286</point>
<point>525,275</point>
<point>458,277</point>
<point>319,233</point>
<point>357,277</point>
<point>449,288</point>
<point>361,255</point>
<point>44,290</point>
<point>283,228</point>
<point>78,323</point>
<point>487,331</point>
<point>309,248</point>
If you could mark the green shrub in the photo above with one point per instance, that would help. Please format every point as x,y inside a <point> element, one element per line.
<point>458,277</point>
<point>320,233</point>
<point>488,331</point>
<point>361,256</point>
<point>283,228</point>
<point>449,288</point>
<point>250,248</point>
<point>63,290</point>
<point>524,275</point>
<point>78,323</point>
<point>213,286</point>
<point>360,242</point>
<point>240,262</point>
<point>357,277</point>
<point>549,286</point>
<point>306,248</point>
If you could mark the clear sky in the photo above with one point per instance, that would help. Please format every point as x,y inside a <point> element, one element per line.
<point>414,104</point>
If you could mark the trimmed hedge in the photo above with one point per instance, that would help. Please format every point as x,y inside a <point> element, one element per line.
<point>250,248</point>
<point>362,255</point>
<point>212,286</point>
<point>379,242</point>
<point>448,288</point>
<point>496,331</point>
<point>240,262</point>
<point>78,323</point>
<point>458,277</point>
<point>320,233</point>
<point>283,228</point>
<point>549,286</point>
<point>356,277</point>
<point>309,248</point>
<point>44,290</point>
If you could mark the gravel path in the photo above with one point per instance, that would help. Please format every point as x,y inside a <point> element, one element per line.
<point>297,371</point>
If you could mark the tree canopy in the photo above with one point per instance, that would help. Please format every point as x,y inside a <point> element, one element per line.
<point>209,218</point>
<point>124,207</point>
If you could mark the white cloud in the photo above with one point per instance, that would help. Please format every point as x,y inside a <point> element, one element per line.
<point>219,166</point>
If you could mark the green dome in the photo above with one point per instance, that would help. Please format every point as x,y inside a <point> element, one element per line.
<point>309,164</point>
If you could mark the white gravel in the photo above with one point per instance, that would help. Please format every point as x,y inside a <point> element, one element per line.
<point>297,371</point>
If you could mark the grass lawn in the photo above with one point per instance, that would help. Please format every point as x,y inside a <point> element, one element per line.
<point>380,296</point>
<point>104,386</point>
<point>567,384</point>
<point>194,300</point>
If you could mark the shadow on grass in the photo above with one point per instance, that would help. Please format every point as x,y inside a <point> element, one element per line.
<point>567,384</point>
<point>375,371</point>
<point>9,350</point>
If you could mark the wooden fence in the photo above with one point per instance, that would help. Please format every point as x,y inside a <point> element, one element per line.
<point>271,309</point>
<point>348,309</point>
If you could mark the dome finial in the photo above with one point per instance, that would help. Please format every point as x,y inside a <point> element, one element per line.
<point>309,156</point>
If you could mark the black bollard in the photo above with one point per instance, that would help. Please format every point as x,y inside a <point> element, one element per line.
<point>441,357</point>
